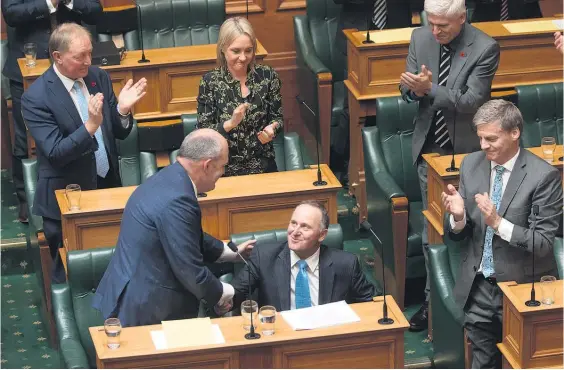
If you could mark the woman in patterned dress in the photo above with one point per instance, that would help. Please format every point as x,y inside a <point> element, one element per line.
<point>241,100</point>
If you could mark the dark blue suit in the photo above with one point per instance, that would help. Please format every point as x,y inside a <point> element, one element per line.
<point>158,272</point>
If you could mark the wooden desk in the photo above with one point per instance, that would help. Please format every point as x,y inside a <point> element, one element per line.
<point>238,204</point>
<point>374,71</point>
<point>438,179</point>
<point>365,344</point>
<point>532,336</point>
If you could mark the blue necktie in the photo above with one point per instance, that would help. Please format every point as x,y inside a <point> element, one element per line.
<point>303,299</point>
<point>102,165</point>
<point>487,257</point>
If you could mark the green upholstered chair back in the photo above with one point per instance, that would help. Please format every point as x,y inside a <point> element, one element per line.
<point>541,107</point>
<point>170,23</point>
<point>134,166</point>
<point>559,256</point>
<point>30,185</point>
<point>391,139</point>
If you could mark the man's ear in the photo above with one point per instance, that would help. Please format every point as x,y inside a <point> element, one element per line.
<point>57,57</point>
<point>206,164</point>
<point>515,134</point>
<point>322,236</point>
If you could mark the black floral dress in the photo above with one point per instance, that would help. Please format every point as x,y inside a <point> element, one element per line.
<point>218,97</point>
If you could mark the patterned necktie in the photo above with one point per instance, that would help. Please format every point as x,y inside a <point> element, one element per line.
<point>303,298</point>
<point>441,132</point>
<point>504,10</point>
<point>102,165</point>
<point>487,256</point>
<point>380,16</point>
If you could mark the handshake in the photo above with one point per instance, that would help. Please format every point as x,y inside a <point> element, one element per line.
<point>221,308</point>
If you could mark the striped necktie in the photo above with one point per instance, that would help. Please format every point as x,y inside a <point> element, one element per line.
<point>504,10</point>
<point>303,298</point>
<point>441,132</point>
<point>380,16</point>
<point>487,255</point>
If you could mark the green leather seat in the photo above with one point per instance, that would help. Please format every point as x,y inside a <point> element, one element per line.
<point>541,107</point>
<point>134,166</point>
<point>392,189</point>
<point>317,54</point>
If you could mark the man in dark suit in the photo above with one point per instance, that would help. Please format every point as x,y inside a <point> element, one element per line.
<point>158,272</point>
<point>74,117</point>
<point>32,21</point>
<point>501,10</point>
<point>302,272</point>
<point>450,64</point>
<point>500,187</point>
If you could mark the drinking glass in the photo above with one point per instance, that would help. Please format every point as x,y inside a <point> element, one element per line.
<point>548,286</point>
<point>248,308</point>
<point>267,316</point>
<point>548,145</point>
<point>112,327</point>
<point>72,193</point>
<point>30,51</point>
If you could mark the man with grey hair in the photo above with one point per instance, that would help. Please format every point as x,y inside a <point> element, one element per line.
<point>158,270</point>
<point>502,190</point>
<point>449,72</point>
<point>74,117</point>
<point>302,272</point>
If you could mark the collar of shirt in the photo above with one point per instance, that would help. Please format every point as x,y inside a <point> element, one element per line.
<point>67,82</point>
<point>312,261</point>
<point>509,164</point>
<point>231,80</point>
<point>194,185</point>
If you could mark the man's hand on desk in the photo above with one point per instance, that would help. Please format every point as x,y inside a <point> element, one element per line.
<point>130,94</point>
<point>420,84</point>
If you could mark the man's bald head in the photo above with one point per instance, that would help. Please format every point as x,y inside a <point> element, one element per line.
<point>202,144</point>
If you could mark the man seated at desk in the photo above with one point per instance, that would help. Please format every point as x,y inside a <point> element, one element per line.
<point>302,272</point>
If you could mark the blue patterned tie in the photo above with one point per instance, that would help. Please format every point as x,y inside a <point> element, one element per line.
<point>303,299</point>
<point>102,165</point>
<point>487,257</point>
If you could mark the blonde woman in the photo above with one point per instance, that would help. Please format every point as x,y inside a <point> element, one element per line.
<point>241,100</point>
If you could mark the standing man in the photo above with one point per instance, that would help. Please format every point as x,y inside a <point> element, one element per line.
<point>74,117</point>
<point>500,187</point>
<point>450,64</point>
<point>503,10</point>
<point>33,21</point>
<point>157,272</point>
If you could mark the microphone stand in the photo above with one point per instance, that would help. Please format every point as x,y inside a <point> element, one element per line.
<point>452,167</point>
<point>385,320</point>
<point>139,15</point>
<point>319,181</point>
<point>368,22</point>
<point>533,302</point>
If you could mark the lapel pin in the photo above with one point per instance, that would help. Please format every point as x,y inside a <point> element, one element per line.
<point>93,83</point>
<point>462,54</point>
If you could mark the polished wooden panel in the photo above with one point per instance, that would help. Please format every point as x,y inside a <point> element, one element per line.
<point>375,69</point>
<point>365,344</point>
<point>237,204</point>
<point>438,178</point>
<point>532,336</point>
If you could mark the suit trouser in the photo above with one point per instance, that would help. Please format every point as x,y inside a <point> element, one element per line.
<point>54,234</point>
<point>19,151</point>
<point>483,323</point>
<point>422,174</point>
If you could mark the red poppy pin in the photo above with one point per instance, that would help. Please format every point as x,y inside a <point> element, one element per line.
<point>462,54</point>
<point>93,84</point>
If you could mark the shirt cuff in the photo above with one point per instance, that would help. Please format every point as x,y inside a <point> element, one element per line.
<point>227,295</point>
<point>52,9</point>
<point>457,226</point>
<point>227,255</point>
<point>505,230</point>
<point>70,4</point>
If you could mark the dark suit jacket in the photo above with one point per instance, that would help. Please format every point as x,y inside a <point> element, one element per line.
<point>65,150</point>
<point>532,182</point>
<point>490,10</point>
<point>29,21</point>
<point>340,277</point>
<point>353,15</point>
<point>157,272</point>
<point>474,63</point>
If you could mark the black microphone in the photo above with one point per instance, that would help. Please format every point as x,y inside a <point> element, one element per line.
<point>452,167</point>
<point>368,22</point>
<point>533,302</point>
<point>140,18</point>
<point>247,11</point>
<point>251,334</point>
<point>385,320</point>
<point>319,181</point>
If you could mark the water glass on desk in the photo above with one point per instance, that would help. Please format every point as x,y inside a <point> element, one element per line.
<point>30,51</point>
<point>548,145</point>
<point>72,193</point>
<point>267,316</point>
<point>248,308</point>
<point>548,286</point>
<point>112,327</point>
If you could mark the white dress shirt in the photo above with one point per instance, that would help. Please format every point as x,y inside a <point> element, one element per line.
<point>312,277</point>
<point>505,229</point>
<point>52,9</point>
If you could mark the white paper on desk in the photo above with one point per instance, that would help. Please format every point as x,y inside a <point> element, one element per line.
<point>559,23</point>
<point>322,316</point>
<point>159,339</point>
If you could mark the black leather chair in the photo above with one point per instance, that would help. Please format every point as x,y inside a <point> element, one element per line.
<point>321,68</point>
<point>393,195</point>
<point>541,107</point>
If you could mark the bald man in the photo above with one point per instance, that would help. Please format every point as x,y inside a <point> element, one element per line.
<point>157,272</point>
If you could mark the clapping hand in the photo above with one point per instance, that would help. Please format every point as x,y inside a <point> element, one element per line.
<point>420,84</point>
<point>558,41</point>
<point>95,112</point>
<point>488,209</point>
<point>267,134</point>
<point>453,202</point>
<point>130,94</point>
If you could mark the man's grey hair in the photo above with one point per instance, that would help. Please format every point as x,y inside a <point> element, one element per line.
<point>197,147</point>
<point>324,223</point>
<point>502,111</point>
<point>62,37</point>
<point>445,8</point>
